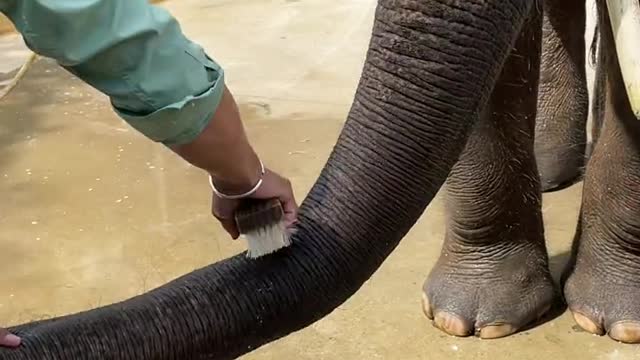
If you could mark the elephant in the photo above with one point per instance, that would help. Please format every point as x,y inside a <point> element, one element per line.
<point>492,277</point>
<point>448,98</point>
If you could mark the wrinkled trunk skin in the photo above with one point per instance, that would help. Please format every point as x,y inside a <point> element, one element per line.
<point>429,71</point>
<point>563,99</point>
<point>602,282</point>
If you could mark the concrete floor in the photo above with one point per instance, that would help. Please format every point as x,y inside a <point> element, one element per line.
<point>93,213</point>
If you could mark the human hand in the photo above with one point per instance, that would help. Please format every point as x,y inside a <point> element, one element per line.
<point>273,186</point>
<point>8,340</point>
<point>223,150</point>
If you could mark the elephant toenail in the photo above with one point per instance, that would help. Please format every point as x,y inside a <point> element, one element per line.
<point>452,324</point>
<point>426,306</point>
<point>626,332</point>
<point>497,331</point>
<point>587,324</point>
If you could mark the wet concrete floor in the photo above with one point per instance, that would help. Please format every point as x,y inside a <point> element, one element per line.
<point>93,213</point>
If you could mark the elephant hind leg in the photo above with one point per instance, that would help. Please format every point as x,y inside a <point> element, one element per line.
<point>602,284</point>
<point>492,277</point>
<point>563,99</point>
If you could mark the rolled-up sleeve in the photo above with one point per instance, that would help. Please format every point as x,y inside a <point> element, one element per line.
<point>158,81</point>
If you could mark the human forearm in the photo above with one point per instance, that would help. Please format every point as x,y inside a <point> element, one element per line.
<point>223,150</point>
<point>158,81</point>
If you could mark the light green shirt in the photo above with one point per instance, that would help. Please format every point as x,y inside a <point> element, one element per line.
<point>159,82</point>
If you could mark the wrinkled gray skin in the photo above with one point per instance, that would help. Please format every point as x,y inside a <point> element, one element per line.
<point>560,139</point>
<point>448,93</point>
<point>492,277</point>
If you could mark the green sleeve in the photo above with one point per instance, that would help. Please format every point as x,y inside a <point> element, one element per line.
<point>162,84</point>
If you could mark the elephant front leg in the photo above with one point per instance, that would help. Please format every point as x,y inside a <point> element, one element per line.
<point>492,276</point>
<point>563,99</point>
<point>602,286</point>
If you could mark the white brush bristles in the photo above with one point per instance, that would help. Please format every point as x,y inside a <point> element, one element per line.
<point>267,240</point>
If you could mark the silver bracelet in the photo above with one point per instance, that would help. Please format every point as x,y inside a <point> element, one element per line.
<point>239,196</point>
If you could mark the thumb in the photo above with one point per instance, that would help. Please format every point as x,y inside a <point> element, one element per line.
<point>290,209</point>
<point>8,339</point>
<point>230,227</point>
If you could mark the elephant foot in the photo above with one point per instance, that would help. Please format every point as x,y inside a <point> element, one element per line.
<point>603,304</point>
<point>560,168</point>
<point>602,283</point>
<point>489,292</point>
<point>563,96</point>
<point>603,287</point>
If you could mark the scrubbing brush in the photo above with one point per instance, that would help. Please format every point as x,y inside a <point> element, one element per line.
<point>262,223</point>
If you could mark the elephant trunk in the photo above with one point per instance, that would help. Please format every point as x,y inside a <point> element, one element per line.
<point>430,69</point>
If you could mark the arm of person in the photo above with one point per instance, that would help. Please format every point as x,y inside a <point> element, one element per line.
<point>158,81</point>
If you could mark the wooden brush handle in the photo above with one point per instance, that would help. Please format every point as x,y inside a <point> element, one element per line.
<point>253,214</point>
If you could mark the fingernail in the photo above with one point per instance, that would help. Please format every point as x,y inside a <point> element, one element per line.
<point>12,340</point>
